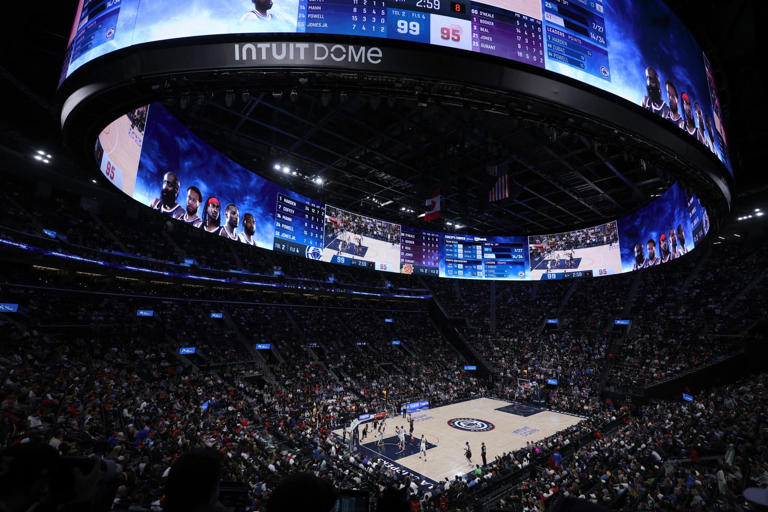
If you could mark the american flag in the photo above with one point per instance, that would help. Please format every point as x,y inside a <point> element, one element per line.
<point>500,190</point>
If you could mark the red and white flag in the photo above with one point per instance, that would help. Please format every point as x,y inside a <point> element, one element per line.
<point>433,207</point>
<point>500,190</point>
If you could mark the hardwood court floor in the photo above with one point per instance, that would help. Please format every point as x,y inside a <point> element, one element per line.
<point>512,428</point>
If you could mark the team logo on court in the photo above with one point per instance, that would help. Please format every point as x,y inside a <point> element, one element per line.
<point>471,424</point>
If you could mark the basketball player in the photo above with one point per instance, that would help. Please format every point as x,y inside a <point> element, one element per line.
<point>410,420</point>
<point>690,124</point>
<point>468,453</point>
<point>654,102</point>
<point>711,134</point>
<point>639,257</point>
<point>211,216</point>
<point>673,114</point>
<point>194,198</point>
<point>169,193</point>
<point>664,248</point>
<point>232,215</point>
<point>381,438</point>
<point>423,448</point>
<point>259,11</point>
<point>672,237</point>
<point>652,259</point>
<point>401,439</point>
<point>701,132</point>
<point>483,453</point>
<point>249,228</point>
<point>681,239</point>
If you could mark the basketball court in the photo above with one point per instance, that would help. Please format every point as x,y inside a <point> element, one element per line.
<point>503,426</point>
<point>386,255</point>
<point>605,258</point>
<point>121,143</point>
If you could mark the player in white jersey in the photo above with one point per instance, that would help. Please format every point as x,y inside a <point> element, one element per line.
<point>212,216</point>
<point>194,198</point>
<point>401,437</point>
<point>673,114</point>
<point>249,228</point>
<point>653,101</point>
<point>423,448</point>
<point>232,214</point>
<point>260,11</point>
<point>169,193</point>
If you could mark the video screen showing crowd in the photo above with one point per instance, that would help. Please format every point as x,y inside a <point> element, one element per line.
<point>595,248</point>
<point>209,219</point>
<point>679,109</point>
<point>350,235</point>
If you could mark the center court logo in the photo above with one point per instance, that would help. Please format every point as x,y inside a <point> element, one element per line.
<point>471,424</point>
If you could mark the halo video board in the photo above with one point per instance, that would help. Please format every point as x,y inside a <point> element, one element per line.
<point>151,156</point>
<point>639,51</point>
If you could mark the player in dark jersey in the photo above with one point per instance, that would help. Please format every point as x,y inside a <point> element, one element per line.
<point>249,228</point>
<point>232,216</point>
<point>169,193</point>
<point>690,124</point>
<point>652,258</point>
<point>654,102</point>
<point>194,198</point>
<point>666,255</point>
<point>672,237</point>
<point>681,240</point>
<point>212,216</point>
<point>639,257</point>
<point>710,133</point>
<point>701,133</point>
<point>673,113</point>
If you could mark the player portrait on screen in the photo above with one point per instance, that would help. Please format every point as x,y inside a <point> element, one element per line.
<point>652,258</point>
<point>639,257</point>
<point>710,134</point>
<point>194,198</point>
<point>249,228</point>
<point>232,220</point>
<point>653,101</point>
<point>673,113</point>
<point>701,134</point>
<point>212,216</point>
<point>666,255</point>
<point>260,11</point>
<point>690,124</point>
<point>673,249</point>
<point>681,240</point>
<point>169,193</point>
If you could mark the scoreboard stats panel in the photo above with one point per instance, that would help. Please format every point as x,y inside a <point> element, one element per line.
<point>346,17</point>
<point>419,251</point>
<point>509,29</point>
<point>96,25</point>
<point>576,35</point>
<point>298,226</point>
<point>475,257</point>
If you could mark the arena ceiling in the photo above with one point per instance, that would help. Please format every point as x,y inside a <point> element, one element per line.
<point>382,148</point>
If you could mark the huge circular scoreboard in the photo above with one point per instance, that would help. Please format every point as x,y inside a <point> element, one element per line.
<point>630,67</point>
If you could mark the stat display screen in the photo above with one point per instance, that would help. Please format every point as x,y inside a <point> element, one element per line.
<point>499,31</point>
<point>240,206</point>
<point>576,35</point>
<point>475,257</point>
<point>298,226</point>
<point>607,44</point>
<point>419,251</point>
